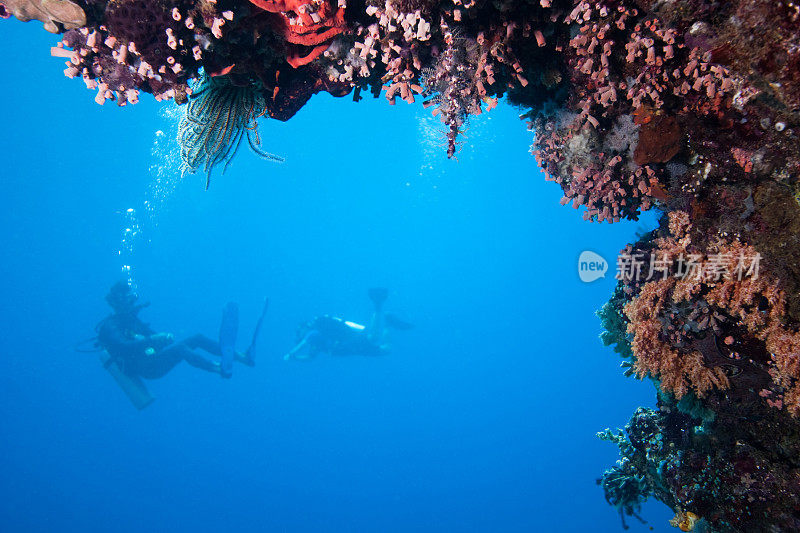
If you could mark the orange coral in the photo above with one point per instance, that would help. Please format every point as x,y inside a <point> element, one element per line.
<point>684,520</point>
<point>753,302</point>
<point>305,24</point>
<point>678,372</point>
<point>785,349</point>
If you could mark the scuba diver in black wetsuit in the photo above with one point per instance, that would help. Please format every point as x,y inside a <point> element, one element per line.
<point>141,352</point>
<point>335,336</point>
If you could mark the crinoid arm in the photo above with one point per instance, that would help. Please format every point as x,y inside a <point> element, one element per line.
<point>217,118</point>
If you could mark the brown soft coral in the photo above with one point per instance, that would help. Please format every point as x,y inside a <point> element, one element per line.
<point>678,372</point>
<point>683,352</point>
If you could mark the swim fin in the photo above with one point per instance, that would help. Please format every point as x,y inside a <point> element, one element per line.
<point>228,330</point>
<point>251,350</point>
<point>396,323</point>
<point>378,295</point>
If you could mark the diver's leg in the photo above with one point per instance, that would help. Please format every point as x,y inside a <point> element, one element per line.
<point>244,358</point>
<point>294,352</point>
<point>198,361</point>
<point>204,343</point>
<point>185,353</point>
<point>250,353</point>
<point>376,331</point>
<point>211,346</point>
<point>153,366</point>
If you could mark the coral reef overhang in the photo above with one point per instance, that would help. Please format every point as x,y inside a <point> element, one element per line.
<point>690,106</point>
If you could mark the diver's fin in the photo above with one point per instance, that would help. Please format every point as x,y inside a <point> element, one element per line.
<point>251,350</point>
<point>228,329</point>
<point>396,323</point>
<point>378,295</point>
<point>132,386</point>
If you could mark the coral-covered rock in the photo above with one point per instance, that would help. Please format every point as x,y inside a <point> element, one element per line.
<point>725,468</point>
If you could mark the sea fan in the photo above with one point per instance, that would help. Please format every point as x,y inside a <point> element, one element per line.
<point>218,117</point>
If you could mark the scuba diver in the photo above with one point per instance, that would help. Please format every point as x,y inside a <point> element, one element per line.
<point>335,336</point>
<point>137,351</point>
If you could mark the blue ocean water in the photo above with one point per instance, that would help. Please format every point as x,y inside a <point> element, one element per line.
<point>483,417</point>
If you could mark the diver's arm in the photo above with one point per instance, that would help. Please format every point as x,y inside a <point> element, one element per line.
<point>160,340</point>
<point>297,349</point>
<point>112,336</point>
<point>157,341</point>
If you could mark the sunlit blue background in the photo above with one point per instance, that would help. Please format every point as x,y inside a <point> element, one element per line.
<point>482,419</point>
